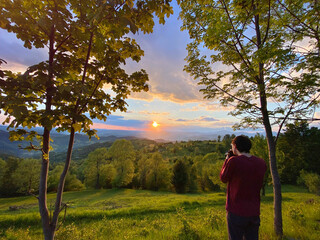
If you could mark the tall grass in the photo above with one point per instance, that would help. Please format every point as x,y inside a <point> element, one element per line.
<point>137,214</point>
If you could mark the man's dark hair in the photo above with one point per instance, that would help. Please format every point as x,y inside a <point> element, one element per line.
<point>243,143</point>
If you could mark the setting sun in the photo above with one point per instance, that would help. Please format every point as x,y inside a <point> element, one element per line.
<point>155,124</point>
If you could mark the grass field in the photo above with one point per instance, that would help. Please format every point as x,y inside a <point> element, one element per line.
<point>138,214</point>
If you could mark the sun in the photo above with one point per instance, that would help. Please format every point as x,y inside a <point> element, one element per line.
<point>155,124</point>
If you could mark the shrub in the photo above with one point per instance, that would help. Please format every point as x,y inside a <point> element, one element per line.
<point>311,181</point>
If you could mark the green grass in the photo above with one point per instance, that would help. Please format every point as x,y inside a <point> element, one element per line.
<point>138,214</point>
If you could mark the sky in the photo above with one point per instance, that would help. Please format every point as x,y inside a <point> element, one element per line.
<point>173,99</point>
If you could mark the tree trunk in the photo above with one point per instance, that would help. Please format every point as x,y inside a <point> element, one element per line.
<point>276,186</point>
<point>273,169</point>
<point>44,213</point>
<point>58,202</point>
<point>271,143</point>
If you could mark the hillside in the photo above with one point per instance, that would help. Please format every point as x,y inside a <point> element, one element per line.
<point>118,214</point>
<point>82,145</point>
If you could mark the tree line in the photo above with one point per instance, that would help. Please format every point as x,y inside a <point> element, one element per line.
<point>191,166</point>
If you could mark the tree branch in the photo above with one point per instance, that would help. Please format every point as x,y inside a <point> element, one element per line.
<point>234,29</point>
<point>285,119</point>
<point>36,22</point>
<point>296,17</point>
<point>268,25</point>
<point>234,97</point>
<point>91,96</point>
<point>61,43</point>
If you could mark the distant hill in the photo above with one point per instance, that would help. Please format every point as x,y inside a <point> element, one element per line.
<point>82,146</point>
<point>8,148</point>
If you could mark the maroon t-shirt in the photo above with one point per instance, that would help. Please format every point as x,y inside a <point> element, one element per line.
<point>245,178</point>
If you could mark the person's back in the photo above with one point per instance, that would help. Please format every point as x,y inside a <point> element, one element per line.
<point>244,174</point>
<point>244,184</point>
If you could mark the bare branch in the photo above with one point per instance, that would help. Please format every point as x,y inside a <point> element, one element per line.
<point>32,194</point>
<point>64,206</point>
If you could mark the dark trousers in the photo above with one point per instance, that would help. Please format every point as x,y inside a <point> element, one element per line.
<point>240,228</point>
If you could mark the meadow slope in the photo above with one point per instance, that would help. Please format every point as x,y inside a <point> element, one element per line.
<point>139,214</point>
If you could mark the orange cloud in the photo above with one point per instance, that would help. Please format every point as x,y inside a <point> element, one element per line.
<point>211,106</point>
<point>114,127</point>
<point>153,113</point>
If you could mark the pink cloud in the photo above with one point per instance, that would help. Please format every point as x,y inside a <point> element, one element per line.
<point>114,127</point>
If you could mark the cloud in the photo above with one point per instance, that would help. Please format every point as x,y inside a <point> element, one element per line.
<point>212,106</point>
<point>167,81</point>
<point>181,120</point>
<point>17,56</point>
<point>2,118</point>
<point>207,119</point>
<point>154,113</point>
<point>201,119</point>
<point>165,51</point>
<point>115,127</point>
<point>118,122</point>
<point>192,109</point>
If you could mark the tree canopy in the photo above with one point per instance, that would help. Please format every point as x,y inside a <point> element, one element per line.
<point>88,44</point>
<point>246,54</point>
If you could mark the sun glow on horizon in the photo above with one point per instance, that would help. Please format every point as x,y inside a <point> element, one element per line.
<point>155,124</point>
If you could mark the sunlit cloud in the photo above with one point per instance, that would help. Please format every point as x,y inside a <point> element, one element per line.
<point>154,113</point>
<point>305,45</point>
<point>18,57</point>
<point>212,106</point>
<point>2,118</point>
<point>14,67</point>
<point>213,122</point>
<point>115,127</point>
<point>192,109</point>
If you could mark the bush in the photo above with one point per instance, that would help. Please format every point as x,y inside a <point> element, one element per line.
<point>311,181</point>
<point>180,176</point>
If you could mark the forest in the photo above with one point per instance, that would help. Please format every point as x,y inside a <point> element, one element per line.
<point>181,167</point>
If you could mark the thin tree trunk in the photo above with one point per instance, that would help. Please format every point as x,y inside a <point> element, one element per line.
<point>277,202</point>
<point>274,171</point>
<point>271,143</point>
<point>58,202</point>
<point>44,213</point>
<point>98,176</point>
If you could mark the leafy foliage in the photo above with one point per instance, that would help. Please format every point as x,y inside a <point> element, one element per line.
<point>93,167</point>
<point>180,176</point>
<point>261,75</point>
<point>26,176</point>
<point>311,181</point>
<point>299,146</point>
<point>158,175</point>
<point>122,155</point>
<point>88,44</point>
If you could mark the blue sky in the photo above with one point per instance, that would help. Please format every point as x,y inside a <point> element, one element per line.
<point>174,100</point>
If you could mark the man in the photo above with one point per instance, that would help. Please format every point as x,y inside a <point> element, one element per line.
<point>244,174</point>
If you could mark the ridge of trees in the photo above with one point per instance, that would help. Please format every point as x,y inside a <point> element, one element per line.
<point>187,166</point>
